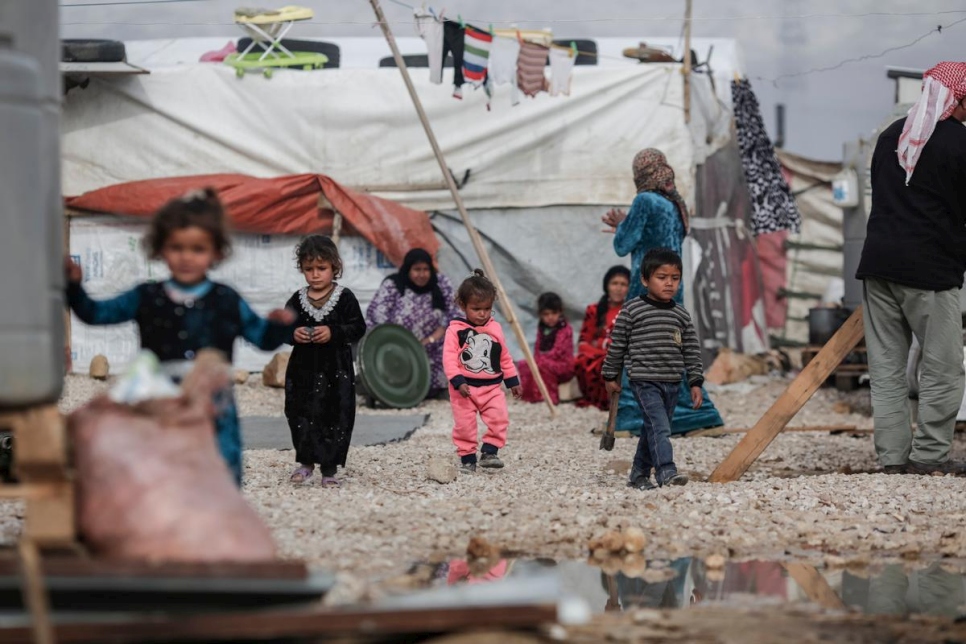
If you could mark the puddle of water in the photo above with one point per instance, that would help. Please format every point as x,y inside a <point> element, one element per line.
<point>687,582</point>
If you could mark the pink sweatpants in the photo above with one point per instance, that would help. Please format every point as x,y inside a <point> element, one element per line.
<point>490,402</point>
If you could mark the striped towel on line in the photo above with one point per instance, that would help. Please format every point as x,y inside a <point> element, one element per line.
<point>530,68</point>
<point>476,53</point>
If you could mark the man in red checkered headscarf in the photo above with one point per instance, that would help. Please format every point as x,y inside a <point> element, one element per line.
<point>912,268</point>
<point>943,91</point>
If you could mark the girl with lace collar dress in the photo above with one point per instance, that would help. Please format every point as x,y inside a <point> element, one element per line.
<point>320,396</point>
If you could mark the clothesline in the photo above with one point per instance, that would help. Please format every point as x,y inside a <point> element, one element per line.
<point>676,18</point>
<point>869,14</point>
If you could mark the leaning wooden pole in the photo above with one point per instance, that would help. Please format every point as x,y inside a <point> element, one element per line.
<point>687,61</point>
<point>505,304</point>
<point>792,399</point>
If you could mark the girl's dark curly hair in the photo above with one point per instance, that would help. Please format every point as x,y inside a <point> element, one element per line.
<point>198,208</point>
<point>319,247</point>
<point>475,287</point>
<point>549,302</point>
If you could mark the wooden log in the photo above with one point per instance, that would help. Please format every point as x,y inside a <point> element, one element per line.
<point>791,401</point>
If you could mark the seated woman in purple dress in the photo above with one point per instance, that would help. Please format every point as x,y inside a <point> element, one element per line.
<point>420,299</point>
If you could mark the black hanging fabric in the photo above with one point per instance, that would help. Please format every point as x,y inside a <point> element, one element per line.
<point>453,35</point>
<point>772,204</point>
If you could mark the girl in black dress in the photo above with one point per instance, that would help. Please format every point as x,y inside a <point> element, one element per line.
<point>320,394</point>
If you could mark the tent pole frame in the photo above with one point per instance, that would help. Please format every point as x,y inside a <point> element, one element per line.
<point>491,273</point>
<point>687,61</point>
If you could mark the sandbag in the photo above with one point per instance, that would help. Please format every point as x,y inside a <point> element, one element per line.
<point>151,484</point>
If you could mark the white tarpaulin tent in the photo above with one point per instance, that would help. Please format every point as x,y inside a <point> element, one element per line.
<point>540,173</point>
<point>359,126</point>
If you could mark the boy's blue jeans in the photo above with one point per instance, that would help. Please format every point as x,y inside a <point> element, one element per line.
<point>657,401</point>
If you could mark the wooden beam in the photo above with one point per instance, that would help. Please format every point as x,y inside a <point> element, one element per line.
<point>791,401</point>
<point>475,238</point>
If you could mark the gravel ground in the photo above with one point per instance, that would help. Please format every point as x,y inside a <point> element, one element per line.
<point>558,490</point>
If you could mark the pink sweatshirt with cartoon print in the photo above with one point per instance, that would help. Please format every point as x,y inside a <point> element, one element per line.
<point>477,355</point>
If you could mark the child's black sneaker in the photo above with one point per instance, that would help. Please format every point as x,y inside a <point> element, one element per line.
<point>467,468</point>
<point>490,461</point>
<point>675,479</point>
<point>640,480</point>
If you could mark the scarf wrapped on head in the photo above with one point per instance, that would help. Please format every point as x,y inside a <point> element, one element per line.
<point>652,173</point>
<point>943,88</point>
<point>402,281</point>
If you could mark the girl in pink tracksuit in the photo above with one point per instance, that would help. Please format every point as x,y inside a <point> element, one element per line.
<point>477,362</point>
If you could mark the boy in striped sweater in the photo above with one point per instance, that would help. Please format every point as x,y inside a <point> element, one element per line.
<point>654,336</point>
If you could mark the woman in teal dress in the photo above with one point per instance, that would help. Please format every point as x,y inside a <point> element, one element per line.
<point>658,218</point>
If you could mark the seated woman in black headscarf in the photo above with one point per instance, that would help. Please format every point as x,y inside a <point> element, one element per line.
<point>420,299</point>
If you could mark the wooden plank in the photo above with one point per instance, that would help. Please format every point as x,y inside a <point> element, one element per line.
<point>49,520</point>
<point>40,436</point>
<point>79,566</point>
<point>30,490</point>
<point>815,586</point>
<point>279,624</point>
<point>791,401</point>
<point>721,431</point>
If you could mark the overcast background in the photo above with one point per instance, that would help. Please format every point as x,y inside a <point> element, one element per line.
<point>823,109</point>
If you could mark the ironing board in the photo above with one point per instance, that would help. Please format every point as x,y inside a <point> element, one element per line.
<point>267,28</point>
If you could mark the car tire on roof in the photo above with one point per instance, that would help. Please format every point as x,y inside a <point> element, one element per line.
<point>91,51</point>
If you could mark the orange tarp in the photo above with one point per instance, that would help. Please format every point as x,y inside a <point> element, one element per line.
<point>281,205</point>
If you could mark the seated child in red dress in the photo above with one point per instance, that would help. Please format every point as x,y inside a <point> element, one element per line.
<point>553,351</point>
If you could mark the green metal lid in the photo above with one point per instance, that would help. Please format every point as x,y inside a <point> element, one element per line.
<point>393,366</point>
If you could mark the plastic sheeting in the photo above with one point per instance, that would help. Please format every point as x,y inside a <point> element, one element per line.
<point>727,295</point>
<point>283,205</point>
<point>360,127</point>
<point>815,254</point>
<point>559,249</point>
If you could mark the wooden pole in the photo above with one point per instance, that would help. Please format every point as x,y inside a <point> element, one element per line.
<point>687,61</point>
<point>491,273</point>
<point>792,399</point>
<point>68,362</point>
